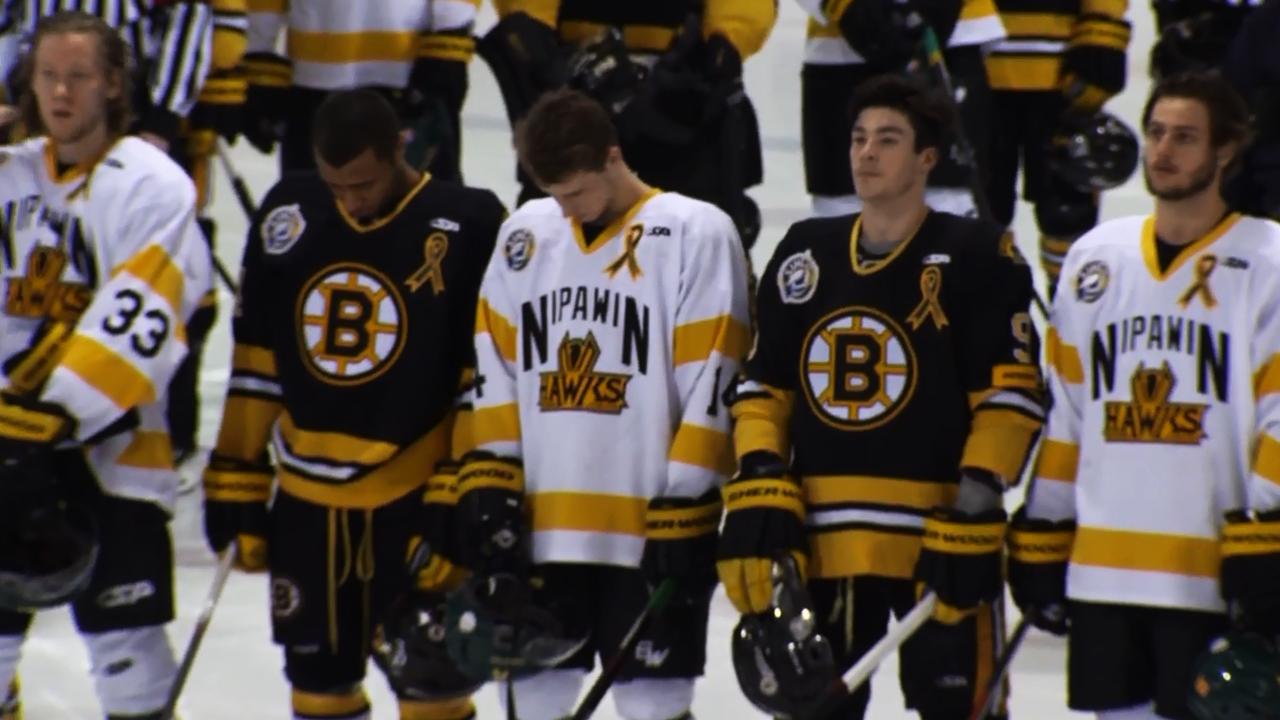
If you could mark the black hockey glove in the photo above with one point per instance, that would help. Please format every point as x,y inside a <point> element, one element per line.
<point>491,527</point>
<point>1093,66</point>
<point>220,106</point>
<point>432,553</point>
<point>887,33</point>
<point>960,556</point>
<point>235,509</point>
<point>764,518</point>
<point>1251,569</point>
<point>266,99</point>
<point>433,81</point>
<point>680,543</point>
<point>29,427</point>
<point>723,62</point>
<point>1038,554</point>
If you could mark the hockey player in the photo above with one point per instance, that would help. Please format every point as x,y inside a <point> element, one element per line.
<point>104,267</point>
<point>1253,67</point>
<point>1162,365</point>
<point>1053,72</point>
<point>849,42</point>
<point>891,396</point>
<point>356,308</point>
<point>685,122</point>
<point>416,52</point>
<point>1194,35</point>
<point>608,327</point>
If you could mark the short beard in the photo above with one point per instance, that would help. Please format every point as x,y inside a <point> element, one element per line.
<point>1201,179</point>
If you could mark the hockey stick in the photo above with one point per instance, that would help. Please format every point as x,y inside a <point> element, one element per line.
<point>657,603</point>
<point>197,634</point>
<point>931,49</point>
<point>237,183</point>
<point>1002,668</point>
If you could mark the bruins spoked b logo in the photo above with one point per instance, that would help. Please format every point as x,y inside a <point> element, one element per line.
<point>351,323</point>
<point>858,367</point>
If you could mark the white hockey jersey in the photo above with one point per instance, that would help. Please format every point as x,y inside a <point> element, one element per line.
<point>978,24</point>
<point>339,44</point>
<point>1166,407</point>
<point>112,247</point>
<point>602,366</point>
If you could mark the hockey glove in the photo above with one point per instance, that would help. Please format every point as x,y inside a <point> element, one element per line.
<point>1038,554</point>
<point>221,104</point>
<point>764,518</point>
<point>235,509</point>
<point>433,81</point>
<point>491,526</point>
<point>431,553</point>
<point>887,33</point>
<point>1251,569</point>
<point>723,62</point>
<point>960,559</point>
<point>1093,66</point>
<point>29,426</point>
<point>266,99</point>
<point>680,543</point>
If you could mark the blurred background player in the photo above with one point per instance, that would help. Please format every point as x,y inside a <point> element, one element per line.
<point>1122,542</point>
<point>1193,35</point>
<point>416,52</point>
<point>891,395</point>
<point>187,91</point>
<point>669,72</point>
<point>1252,66</point>
<point>608,327</point>
<point>848,42</point>
<point>1050,78</point>
<point>352,330</point>
<point>108,267</point>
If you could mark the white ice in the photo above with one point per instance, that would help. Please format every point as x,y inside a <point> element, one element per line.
<point>238,673</point>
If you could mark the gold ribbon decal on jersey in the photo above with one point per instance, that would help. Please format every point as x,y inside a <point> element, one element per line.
<point>1204,268</point>
<point>628,257</point>
<point>930,306</point>
<point>434,251</point>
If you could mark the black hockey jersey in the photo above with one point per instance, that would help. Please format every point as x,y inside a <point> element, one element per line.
<point>880,380</point>
<point>350,343</point>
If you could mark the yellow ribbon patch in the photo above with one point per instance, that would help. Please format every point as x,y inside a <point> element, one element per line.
<point>930,307</point>
<point>1204,268</point>
<point>628,257</point>
<point>434,250</point>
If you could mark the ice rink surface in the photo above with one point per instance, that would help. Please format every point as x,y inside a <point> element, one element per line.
<point>238,675</point>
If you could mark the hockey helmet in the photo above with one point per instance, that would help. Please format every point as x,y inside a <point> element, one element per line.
<point>48,550</point>
<point>1194,44</point>
<point>1237,678</point>
<point>603,69</point>
<point>494,627</point>
<point>784,666</point>
<point>1094,153</point>
<point>409,648</point>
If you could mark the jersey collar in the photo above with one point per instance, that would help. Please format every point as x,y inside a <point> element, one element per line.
<point>75,172</point>
<point>867,268</point>
<point>1151,258</point>
<point>380,222</point>
<point>612,228</point>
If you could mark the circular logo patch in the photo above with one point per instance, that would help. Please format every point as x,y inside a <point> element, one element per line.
<point>859,368</point>
<point>518,249</point>
<point>1092,281</point>
<point>798,278</point>
<point>351,323</point>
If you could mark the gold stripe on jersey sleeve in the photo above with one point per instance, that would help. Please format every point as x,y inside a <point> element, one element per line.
<point>1266,460</point>
<point>1016,375</point>
<point>236,485</point>
<point>977,9</point>
<point>148,449</point>
<point>1267,379</point>
<point>268,6</point>
<point>102,369</point>
<point>254,359</point>
<point>1109,8</point>
<point>352,704</point>
<point>246,426</point>
<point>1113,34</point>
<point>270,71</point>
<point>703,447</point>
<point>1063,358</point>
<point>443,46</point>
<point>499,328</point>
<point>1042,25</point>
<point>588,512</point>
<point>1147,552</point>
<point>545,11</point>
<point>999,441</point>
<point>914,494</point>
<point>1023,72</point>
<point>760,423</point>
<point>1058,461</point>
<point>351,47</point>
<point>636,38</point>
<point>695,341</point>
<point>862,551</point>
<point>335,447</point>
<point>405,473</point>
<point>154,267</point>
<point>497,423</point>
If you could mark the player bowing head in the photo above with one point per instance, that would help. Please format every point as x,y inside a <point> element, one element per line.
<point>359,154</point>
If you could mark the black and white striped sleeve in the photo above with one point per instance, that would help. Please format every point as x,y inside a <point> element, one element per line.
<point>183,58</point>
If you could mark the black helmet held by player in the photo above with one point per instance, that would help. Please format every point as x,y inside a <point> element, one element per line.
<point>1237,678</point>
<point>1094,153</point>
<point>784,667</point>
<point>493,626</point>
<point>48,549</point>
<point>409,647</point>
